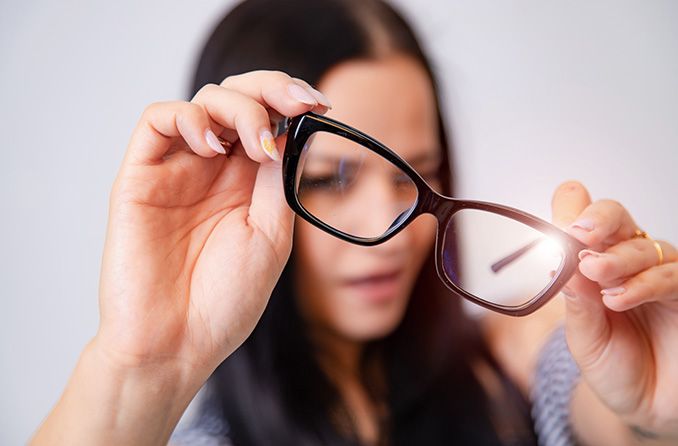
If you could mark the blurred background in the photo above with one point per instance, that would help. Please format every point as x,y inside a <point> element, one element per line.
<point>535,92</point>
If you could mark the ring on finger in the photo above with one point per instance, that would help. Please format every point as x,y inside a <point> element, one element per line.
<point>227,145</point>
<point>642,234</point>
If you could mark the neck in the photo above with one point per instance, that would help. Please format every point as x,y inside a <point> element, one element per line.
<point>339,357</point>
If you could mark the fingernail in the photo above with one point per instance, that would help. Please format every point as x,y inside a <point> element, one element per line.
<point>321,98</point>
<point>268,144</point>
<point>584,223</point>
<point>587,252</point>
<point>213,142</point>
<point>300,94</point>
<point>613,291</point>
<point>568,292</point>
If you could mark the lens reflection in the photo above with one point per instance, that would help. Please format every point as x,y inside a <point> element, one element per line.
<point>498,259</point>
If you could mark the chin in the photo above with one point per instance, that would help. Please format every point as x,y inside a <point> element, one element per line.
<point>371,327</point>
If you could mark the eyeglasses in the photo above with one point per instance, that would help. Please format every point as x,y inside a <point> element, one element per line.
<point>353,187</point>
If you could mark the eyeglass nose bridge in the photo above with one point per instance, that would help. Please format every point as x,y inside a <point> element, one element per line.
<point>440,206</point>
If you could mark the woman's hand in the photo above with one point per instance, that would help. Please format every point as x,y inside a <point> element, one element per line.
<point>196,240</point>
<point>622,314</point>
<point>195,243</point>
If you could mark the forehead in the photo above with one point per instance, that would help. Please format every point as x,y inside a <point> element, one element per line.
<point>390,99</point>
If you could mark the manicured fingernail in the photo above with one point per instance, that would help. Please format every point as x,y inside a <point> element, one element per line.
<point>321,98</point>
<point>568,292</point>
<point>213,142</point>
<point>584,223</point>
<point>268,144</point>
<point>300,94</point>
<point>613,291</point>
<point>587,252</point>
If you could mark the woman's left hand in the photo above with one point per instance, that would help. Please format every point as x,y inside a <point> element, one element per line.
<point>622,313</point>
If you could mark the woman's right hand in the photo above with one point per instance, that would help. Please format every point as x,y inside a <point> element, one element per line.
<point>196,240</point>
<point>195,243</point>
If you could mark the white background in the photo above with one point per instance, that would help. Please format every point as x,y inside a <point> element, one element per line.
<point>536,93</point>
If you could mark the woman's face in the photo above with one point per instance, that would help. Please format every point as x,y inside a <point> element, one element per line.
<point>360,293</point>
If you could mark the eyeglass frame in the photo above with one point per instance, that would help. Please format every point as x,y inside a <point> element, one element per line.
<point>300,128</point>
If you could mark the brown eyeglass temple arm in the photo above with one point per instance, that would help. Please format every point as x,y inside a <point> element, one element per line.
<point>505,261</point>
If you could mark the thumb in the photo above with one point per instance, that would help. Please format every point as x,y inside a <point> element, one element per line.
<point>585,319</point>
<point>269,209</point>
<point>569,200</point>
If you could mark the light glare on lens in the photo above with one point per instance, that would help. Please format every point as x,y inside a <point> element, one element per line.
<point>498,259</point>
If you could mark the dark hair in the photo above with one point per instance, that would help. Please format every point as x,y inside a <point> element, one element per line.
<point>272,390</point>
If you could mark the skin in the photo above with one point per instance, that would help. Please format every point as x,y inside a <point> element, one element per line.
<point>196,241</point>
<point>408,126</point>
<point>341,320</point>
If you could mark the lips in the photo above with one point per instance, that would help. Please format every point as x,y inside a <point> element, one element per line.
<point>375,287</point>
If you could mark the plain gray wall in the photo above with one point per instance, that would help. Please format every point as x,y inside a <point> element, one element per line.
<point>536,93</point>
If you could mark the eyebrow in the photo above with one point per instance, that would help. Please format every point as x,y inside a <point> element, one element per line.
<point>423,158</point>
<point>419,159</point>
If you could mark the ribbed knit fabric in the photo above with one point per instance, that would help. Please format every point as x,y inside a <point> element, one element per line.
<point>208,430</point>
<point>554,380</point>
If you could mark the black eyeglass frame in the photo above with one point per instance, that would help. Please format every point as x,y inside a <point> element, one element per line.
<point>299,130</point>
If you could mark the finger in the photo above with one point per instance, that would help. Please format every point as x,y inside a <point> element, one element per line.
<point>623,260</point>
<point>586,322</point>
<point>161,123</point>
<point>289,96</point>
<point>248,117</point>
<point>569,200</point>
<point>269,209</point>
<point>320,97</point>
<point>603,224</point>
<point>657,284</point>
<point>585,319</point>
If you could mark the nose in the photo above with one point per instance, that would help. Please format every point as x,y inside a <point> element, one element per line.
<point>383,202</point>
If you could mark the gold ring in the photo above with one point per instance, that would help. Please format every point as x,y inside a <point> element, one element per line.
<point>642,234</point>
<point>227,145</point>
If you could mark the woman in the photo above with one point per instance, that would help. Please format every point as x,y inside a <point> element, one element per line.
<point>197,242</point>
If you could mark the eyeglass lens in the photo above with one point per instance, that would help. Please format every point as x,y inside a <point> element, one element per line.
<point>354,190</point>
<point>498,259</point>
<point>351,188</point>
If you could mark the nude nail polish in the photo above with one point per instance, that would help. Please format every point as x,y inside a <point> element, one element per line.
<point>584,224</point>
<point>613,291</point>
<point>213,142</point>
<point>300,94</point>
<point>588,252</point>
<point>568,292</point>
<point>268,144</point>
<point>321,98</point>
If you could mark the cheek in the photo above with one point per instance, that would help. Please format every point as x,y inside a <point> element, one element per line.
<point>423,232</point>
<point>437,185</point>
<point>318,256</point>
<point>315,252</point>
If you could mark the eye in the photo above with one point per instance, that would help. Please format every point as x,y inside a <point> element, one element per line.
<point>324,182</point>
<point>335,181</point>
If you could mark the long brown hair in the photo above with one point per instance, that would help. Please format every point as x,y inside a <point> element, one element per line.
<point>272,391</point>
